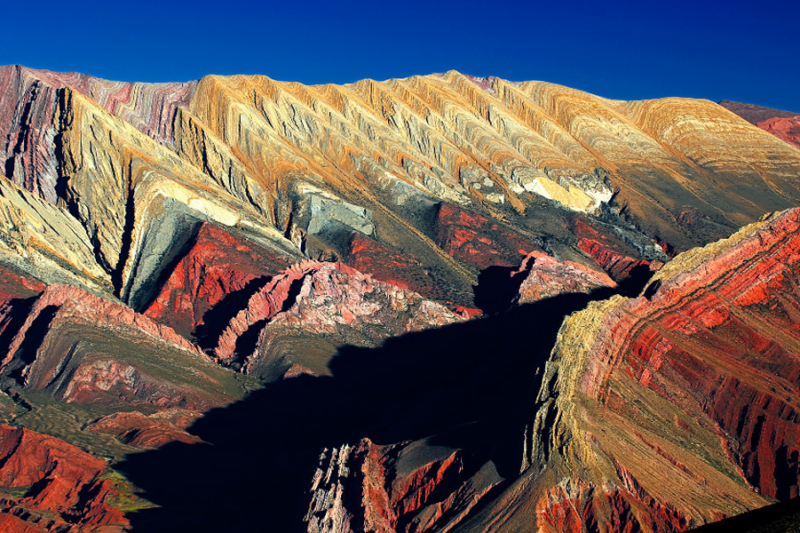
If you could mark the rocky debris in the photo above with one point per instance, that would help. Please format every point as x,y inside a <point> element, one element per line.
<point>49,485</point>
<point>546,277</point>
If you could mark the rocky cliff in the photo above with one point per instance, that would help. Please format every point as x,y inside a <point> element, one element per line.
<point>439,303</point>
<point>678,405</point>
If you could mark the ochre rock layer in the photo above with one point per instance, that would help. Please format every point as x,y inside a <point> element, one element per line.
<point>167,248</point>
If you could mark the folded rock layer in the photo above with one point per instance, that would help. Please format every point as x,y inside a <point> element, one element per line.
<point>389,264</point>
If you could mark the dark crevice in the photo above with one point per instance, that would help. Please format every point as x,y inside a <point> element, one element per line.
<point>497,288</point>
<point>117,276</point>
<point>638,278</point>
<point>216,319</point>
<point>40,485</point>
<point>652,289</point>
<point>19,310</point>
<point>786,470</point>
<point>292,294</point>
<point>23,133</point>
<point>246,344</point>
<point>30,345</point>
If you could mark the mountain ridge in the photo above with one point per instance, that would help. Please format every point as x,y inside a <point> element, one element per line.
<point>427,286</point>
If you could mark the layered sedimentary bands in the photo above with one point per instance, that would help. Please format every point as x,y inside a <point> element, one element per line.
<point>435,304</point>
<point>782,124</point>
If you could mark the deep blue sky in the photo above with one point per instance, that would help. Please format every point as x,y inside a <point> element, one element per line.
<point>746,51</point>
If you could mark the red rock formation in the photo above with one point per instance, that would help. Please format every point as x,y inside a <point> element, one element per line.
<point>689,391</point>
<point>387,264</point>
<point>84,349</point>
<point>15,286</point>
<point>141,431</point>
<point>786,129</point>
<point>217,265</point>
<point>546,277</point>
<point>735,344</point>
<point>579,506</point>
<point>50,485</point>
<point>784,125</point>
<point>393,489</point>
<point>70,301</point>
<point>478,241</point>
<point>327,300</point>
<point>607,254</point>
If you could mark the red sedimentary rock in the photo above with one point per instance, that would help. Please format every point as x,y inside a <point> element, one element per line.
<point>575,506</point>
<point>392,489</point>
<point>725,332</point>
<point>608,255</point>
<point>66,301</point>
<point>786,129</point>
<point>84,350</point>
<point>16,286</point>
<point>50,485</point>
<point>546,277</point>
<point>142,431</point>
<point>478,241</point>
<point>218,264</point>
<point>388,264</point>
<point>322,298</point>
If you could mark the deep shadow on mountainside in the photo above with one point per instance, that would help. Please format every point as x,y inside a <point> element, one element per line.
<point>783,517</point>
<point>468,385</point>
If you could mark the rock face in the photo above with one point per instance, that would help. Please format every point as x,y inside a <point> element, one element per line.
<point>782,124</point>
<point>216,266</point>
<point>167,249</point>
<point>545,278</point>
<point>684,398</point>
<point>299,319</point>
<point>785,129</point>
<point>397,487</point>
<point>49,485</point>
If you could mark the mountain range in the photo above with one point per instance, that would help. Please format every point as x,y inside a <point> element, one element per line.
<point>435,304</point>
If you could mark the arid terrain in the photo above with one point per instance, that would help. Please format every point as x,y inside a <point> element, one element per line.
<point>425,305</point>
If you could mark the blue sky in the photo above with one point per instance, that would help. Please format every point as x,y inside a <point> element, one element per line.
<point>746,51</point>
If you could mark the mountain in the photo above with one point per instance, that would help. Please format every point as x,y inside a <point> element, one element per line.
<point>439,303</point>
<point>782,124</point>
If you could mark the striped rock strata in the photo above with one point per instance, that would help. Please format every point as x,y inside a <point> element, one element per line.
<point>679,406</point>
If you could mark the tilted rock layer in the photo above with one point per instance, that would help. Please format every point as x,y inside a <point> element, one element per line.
<point>680,404</point>
<point>782,124</point>
<point>165,249</point>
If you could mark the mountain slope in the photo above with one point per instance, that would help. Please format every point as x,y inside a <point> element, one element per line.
<point>439,303</point>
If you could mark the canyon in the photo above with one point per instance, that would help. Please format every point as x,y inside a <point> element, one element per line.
<point>442,303</point>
